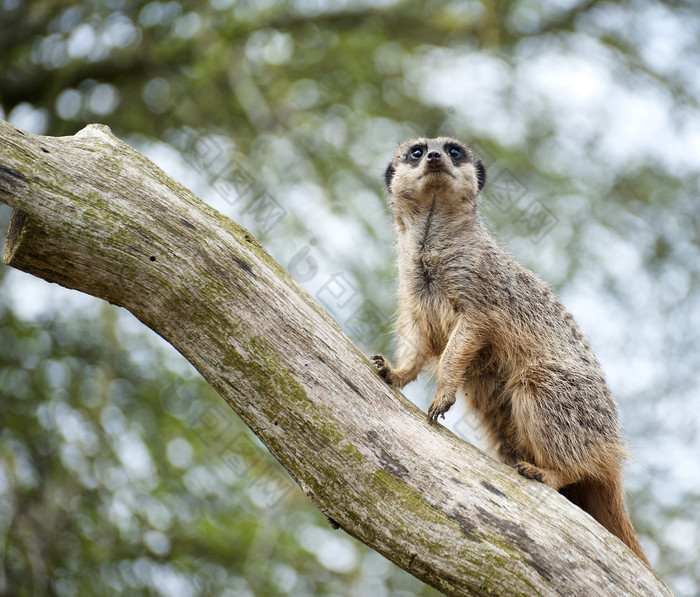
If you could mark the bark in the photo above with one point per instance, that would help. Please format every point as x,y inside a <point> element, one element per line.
<point>93,214</point>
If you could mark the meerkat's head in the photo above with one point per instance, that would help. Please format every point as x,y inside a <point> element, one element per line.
<point>423,169</point>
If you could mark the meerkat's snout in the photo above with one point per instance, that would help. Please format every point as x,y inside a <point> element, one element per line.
<point>434,158</point>
<point>434,163</point>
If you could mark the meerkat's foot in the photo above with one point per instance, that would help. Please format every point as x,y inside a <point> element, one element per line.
<point>382,366</point>
<point>529,471</point>
<point>440,405</point>
<point>556,479</point>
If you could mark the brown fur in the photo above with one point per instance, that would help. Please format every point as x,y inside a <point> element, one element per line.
<point>497,332</point>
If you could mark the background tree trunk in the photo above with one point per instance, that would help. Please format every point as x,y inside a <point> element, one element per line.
<point>95,215</point>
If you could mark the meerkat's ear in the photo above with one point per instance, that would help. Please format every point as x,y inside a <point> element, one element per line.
<point>480,173</point>
<point>389,174</point>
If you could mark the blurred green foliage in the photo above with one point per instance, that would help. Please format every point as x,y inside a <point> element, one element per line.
<point>122,472</point>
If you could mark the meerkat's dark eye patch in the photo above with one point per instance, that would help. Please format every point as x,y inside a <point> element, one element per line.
<point>416,152</point>
<point>456,152</point>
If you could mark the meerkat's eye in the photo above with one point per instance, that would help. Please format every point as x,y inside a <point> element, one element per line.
<point>416,152</point>
<point>455,153</point>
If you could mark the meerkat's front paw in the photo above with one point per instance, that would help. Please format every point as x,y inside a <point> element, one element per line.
<point>382,366</point>
<point>440,405</point>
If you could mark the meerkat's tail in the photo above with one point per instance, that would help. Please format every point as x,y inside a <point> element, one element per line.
<point>605,502</point>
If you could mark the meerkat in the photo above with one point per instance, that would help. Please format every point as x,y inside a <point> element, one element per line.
<point>495,331</point>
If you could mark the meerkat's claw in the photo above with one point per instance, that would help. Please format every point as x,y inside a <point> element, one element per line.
<point>529,471</point>
<point>439,406</point>
<point>382,367</point>
<point>434,414</point>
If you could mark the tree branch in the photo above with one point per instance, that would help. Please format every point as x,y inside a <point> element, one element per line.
<point>93,214</point>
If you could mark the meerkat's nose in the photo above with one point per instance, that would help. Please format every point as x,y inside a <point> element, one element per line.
<point>434,157</point>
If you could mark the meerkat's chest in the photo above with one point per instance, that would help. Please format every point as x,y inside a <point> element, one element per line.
<point>427,264</point>
<point>433,311</point>
<point>425,287</point>
<point>424,273</point>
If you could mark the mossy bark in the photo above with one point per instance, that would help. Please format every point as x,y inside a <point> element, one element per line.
<point>93,214</point>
